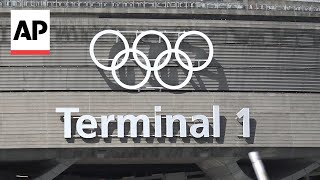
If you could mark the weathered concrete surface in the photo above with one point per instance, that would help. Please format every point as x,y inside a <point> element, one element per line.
<point>246,8</point>
<point>29,120</point>
<point>153,155</point>
<point>248,56</point>
<point>62,165</point>
<point>93,11</point>
<point>223,169</point>
<point>303,172</point>
<point>216,162</point>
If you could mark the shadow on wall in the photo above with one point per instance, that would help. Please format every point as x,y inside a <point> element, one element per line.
<point>253,127</point>
<point>169,75</point>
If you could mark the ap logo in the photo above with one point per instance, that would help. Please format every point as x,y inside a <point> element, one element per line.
<point>30,32</point>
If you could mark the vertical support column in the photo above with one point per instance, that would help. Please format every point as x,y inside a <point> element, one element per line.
<point>56,170</point>
<point>222,169</point>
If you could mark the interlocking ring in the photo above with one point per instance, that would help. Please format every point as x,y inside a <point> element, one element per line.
<point>177,52</point>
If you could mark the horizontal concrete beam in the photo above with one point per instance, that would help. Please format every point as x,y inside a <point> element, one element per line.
<point>154,155</point>
<point>174,11</point>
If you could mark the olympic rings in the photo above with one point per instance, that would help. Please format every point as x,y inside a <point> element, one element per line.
<point>147,66</point>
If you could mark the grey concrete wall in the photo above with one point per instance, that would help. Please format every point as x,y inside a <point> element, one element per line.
<point>248,56</point>
<point>29,120</point>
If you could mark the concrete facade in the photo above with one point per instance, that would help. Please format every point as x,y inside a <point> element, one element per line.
<point>29,119</point>
<point>270,66</point>
<point>248,56</point>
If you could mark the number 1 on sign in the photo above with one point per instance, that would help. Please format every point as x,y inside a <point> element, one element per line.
<point>244,113</point>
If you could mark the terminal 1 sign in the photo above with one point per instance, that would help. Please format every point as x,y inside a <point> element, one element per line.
<point>86,125</point>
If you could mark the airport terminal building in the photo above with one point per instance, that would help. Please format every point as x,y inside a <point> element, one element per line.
<point>172,90</point>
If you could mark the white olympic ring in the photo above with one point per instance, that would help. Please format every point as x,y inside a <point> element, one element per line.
<point>177,52</point>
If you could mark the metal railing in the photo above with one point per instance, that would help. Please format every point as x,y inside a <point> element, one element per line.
<point>281,5</point>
